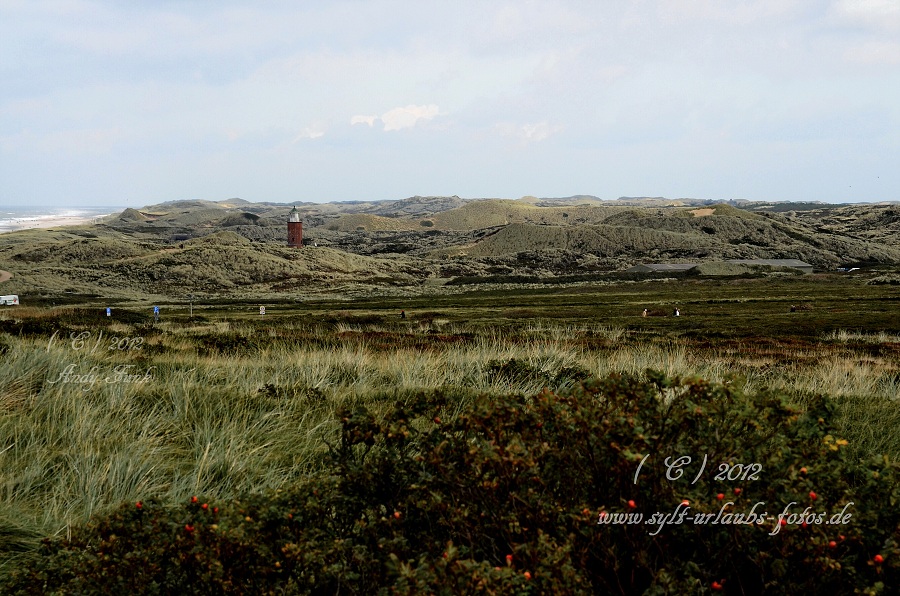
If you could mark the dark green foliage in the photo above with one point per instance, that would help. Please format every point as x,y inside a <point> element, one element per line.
<point>570,375</point>
<point>515,371</point>
<point>97,316</point>
<point>229,343</point>
<point>520,371</point>
<point>29,327</point>
<point>506,498</point>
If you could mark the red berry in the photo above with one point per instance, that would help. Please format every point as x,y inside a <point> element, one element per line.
<point>527,575</point>
<point>445,555</point>
<point>832,544</point>
<point>737,491</point>
<point>813,495</point>
<point>193,499</point>
<point>509,558</point>
<point>716,586</point>
<point>215,509</point>
<point>720,496</point>
<point>204,506</point>
<point>685,502</point>
<point>803,470</point>
<point>783,522</point>
<point>586,511</point>
<point>139,505</point>
<point>397,515</point>
<point>437,419</point>
<point>188,528</point>
<point>631,504</point>
<point>803,525</point>
<point>878,559</point>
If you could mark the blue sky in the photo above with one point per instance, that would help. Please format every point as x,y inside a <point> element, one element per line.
<point>131,103</point>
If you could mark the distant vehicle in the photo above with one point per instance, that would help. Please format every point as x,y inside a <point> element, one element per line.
<point>10,300</point>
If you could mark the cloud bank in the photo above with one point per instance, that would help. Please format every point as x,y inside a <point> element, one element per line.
<point>399,118</point>
<point>772,99</point>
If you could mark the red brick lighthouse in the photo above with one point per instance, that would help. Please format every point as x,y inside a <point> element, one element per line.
<point>295,229</point>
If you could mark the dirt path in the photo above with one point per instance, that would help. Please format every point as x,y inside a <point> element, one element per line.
<point>4,275</point>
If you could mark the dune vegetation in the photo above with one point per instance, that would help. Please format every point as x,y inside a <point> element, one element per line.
<point>478,442</point>
<point>101,411</point>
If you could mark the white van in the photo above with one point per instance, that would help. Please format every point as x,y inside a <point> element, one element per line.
<point>12,299</point>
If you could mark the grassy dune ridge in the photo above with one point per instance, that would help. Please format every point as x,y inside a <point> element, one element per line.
<point>409,247</point>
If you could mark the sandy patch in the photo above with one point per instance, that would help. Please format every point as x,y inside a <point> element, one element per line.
<point>12,225</point>
<point>703,212</point>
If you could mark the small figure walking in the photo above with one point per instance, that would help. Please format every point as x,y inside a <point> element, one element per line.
<point>156,314</point>
<point>645,313</point>
<point>677,312</point>
<point>108,311</point>
<point>793,308</point>
<point>402,314</point>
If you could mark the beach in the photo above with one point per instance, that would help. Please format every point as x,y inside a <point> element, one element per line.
<point>25,222</point>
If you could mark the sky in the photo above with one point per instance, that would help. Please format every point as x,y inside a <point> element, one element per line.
<point>127,103</point>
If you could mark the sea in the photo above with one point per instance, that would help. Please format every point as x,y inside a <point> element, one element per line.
<point>17,218</point>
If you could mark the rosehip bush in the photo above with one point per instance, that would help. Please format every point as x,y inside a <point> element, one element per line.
<point>527,495</point>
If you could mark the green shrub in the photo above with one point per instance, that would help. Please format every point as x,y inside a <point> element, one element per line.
<point>507,498</point>
<point>97,316</point>
<point>29,327</point>
<point>228,343</point>
<point>515,370</point>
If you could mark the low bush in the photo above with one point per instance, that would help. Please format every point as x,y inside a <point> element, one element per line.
<point>515,371</point>
<point>97,317</point>
<point>29,327</point>
<point>527,495</point>
<point>228,343</point>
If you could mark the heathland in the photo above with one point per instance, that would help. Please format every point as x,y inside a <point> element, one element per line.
<point>335,409</point>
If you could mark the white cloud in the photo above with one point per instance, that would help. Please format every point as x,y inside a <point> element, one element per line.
<point>877,14</point>
<point>370,120</point>
<point>238,80</point>
<point>407,117</point>
<point>735,13</point>
<point>875,52</point>
<point>314,132</point>
<point>528,133</point>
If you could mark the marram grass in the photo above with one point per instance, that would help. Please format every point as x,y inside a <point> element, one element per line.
<point>222,408</point>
